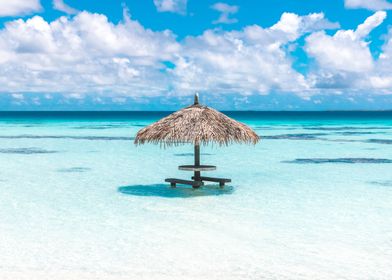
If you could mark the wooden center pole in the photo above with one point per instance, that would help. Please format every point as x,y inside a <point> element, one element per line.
<point>197,162</point>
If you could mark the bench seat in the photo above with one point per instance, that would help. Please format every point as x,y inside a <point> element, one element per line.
<point>221,181</point>
<point>174,181</point>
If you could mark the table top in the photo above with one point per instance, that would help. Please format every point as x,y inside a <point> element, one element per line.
<point>197,167</point>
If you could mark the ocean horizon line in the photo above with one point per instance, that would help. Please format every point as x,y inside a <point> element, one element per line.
<point>152,115</point>
<point>165,111</point>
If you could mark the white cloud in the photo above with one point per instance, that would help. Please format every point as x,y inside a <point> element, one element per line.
<point>226,12</point>
<point>370,23</point>
<point>19,7</point>
<point>61,6</point>
<point>341,52</point>
<point>84,54</point>
<point>382,78</point>
<point>344,59</point>
<point>87,53</point>
<point>346,50</point>
<point>373,5</point>
<point>174,6</point>
<point>253,60</point>
<point>233,62</point>
<point>294,26</point>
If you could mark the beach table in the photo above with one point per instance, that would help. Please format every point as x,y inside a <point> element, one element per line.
<point>197,180</point>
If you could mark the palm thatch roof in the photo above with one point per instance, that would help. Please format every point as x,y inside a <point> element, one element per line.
<point>196,124</point>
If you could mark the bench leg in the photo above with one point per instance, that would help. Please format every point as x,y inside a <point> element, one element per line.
<point>195,187</point>
<point>173,185</point>
<point>221,184</point>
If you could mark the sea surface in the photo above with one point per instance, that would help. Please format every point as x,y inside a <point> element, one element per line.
<point>312,200</point>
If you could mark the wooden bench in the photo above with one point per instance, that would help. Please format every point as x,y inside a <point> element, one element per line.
<point>221,181</point>
<point>194,184</point>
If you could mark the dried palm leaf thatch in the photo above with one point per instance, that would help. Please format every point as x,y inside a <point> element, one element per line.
<point>196,124</point>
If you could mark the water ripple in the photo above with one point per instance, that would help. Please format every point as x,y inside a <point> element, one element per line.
<point>379,141</point>
<point>382,183</point>
<point>299,136</point>
<point>74,169</point>
<point>106,138</point>
<point>26,151</point>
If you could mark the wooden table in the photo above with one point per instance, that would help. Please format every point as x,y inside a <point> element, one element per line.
<point>197,167</point>
<point>197,179</point>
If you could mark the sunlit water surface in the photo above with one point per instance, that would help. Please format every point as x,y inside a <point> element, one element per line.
<point>313,200</point>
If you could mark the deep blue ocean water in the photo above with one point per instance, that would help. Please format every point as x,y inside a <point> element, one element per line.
<point>312,200</point>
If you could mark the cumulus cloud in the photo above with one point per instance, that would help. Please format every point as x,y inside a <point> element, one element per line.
<point>226,11</point>
<point>373,5</point>
<point>234,62</point>
<point>294,26</point>
<point>344,59</point>
<point>62,7</point>
<point>84,54</point>
<point>19,7</point>
<point>382,78</point>
<point>370,23</point>
<point>174,6</point>
<point>253,60</point>
<point>88,54</point>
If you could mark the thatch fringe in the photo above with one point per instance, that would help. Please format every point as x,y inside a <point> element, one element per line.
<point>196,124</point>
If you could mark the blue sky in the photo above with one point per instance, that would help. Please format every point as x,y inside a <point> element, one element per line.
<point>155,54</point>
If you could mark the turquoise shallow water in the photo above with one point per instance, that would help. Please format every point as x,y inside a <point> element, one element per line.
<point>78,200</point>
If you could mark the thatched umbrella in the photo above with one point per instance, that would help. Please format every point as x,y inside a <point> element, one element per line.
<point>198,125</point>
